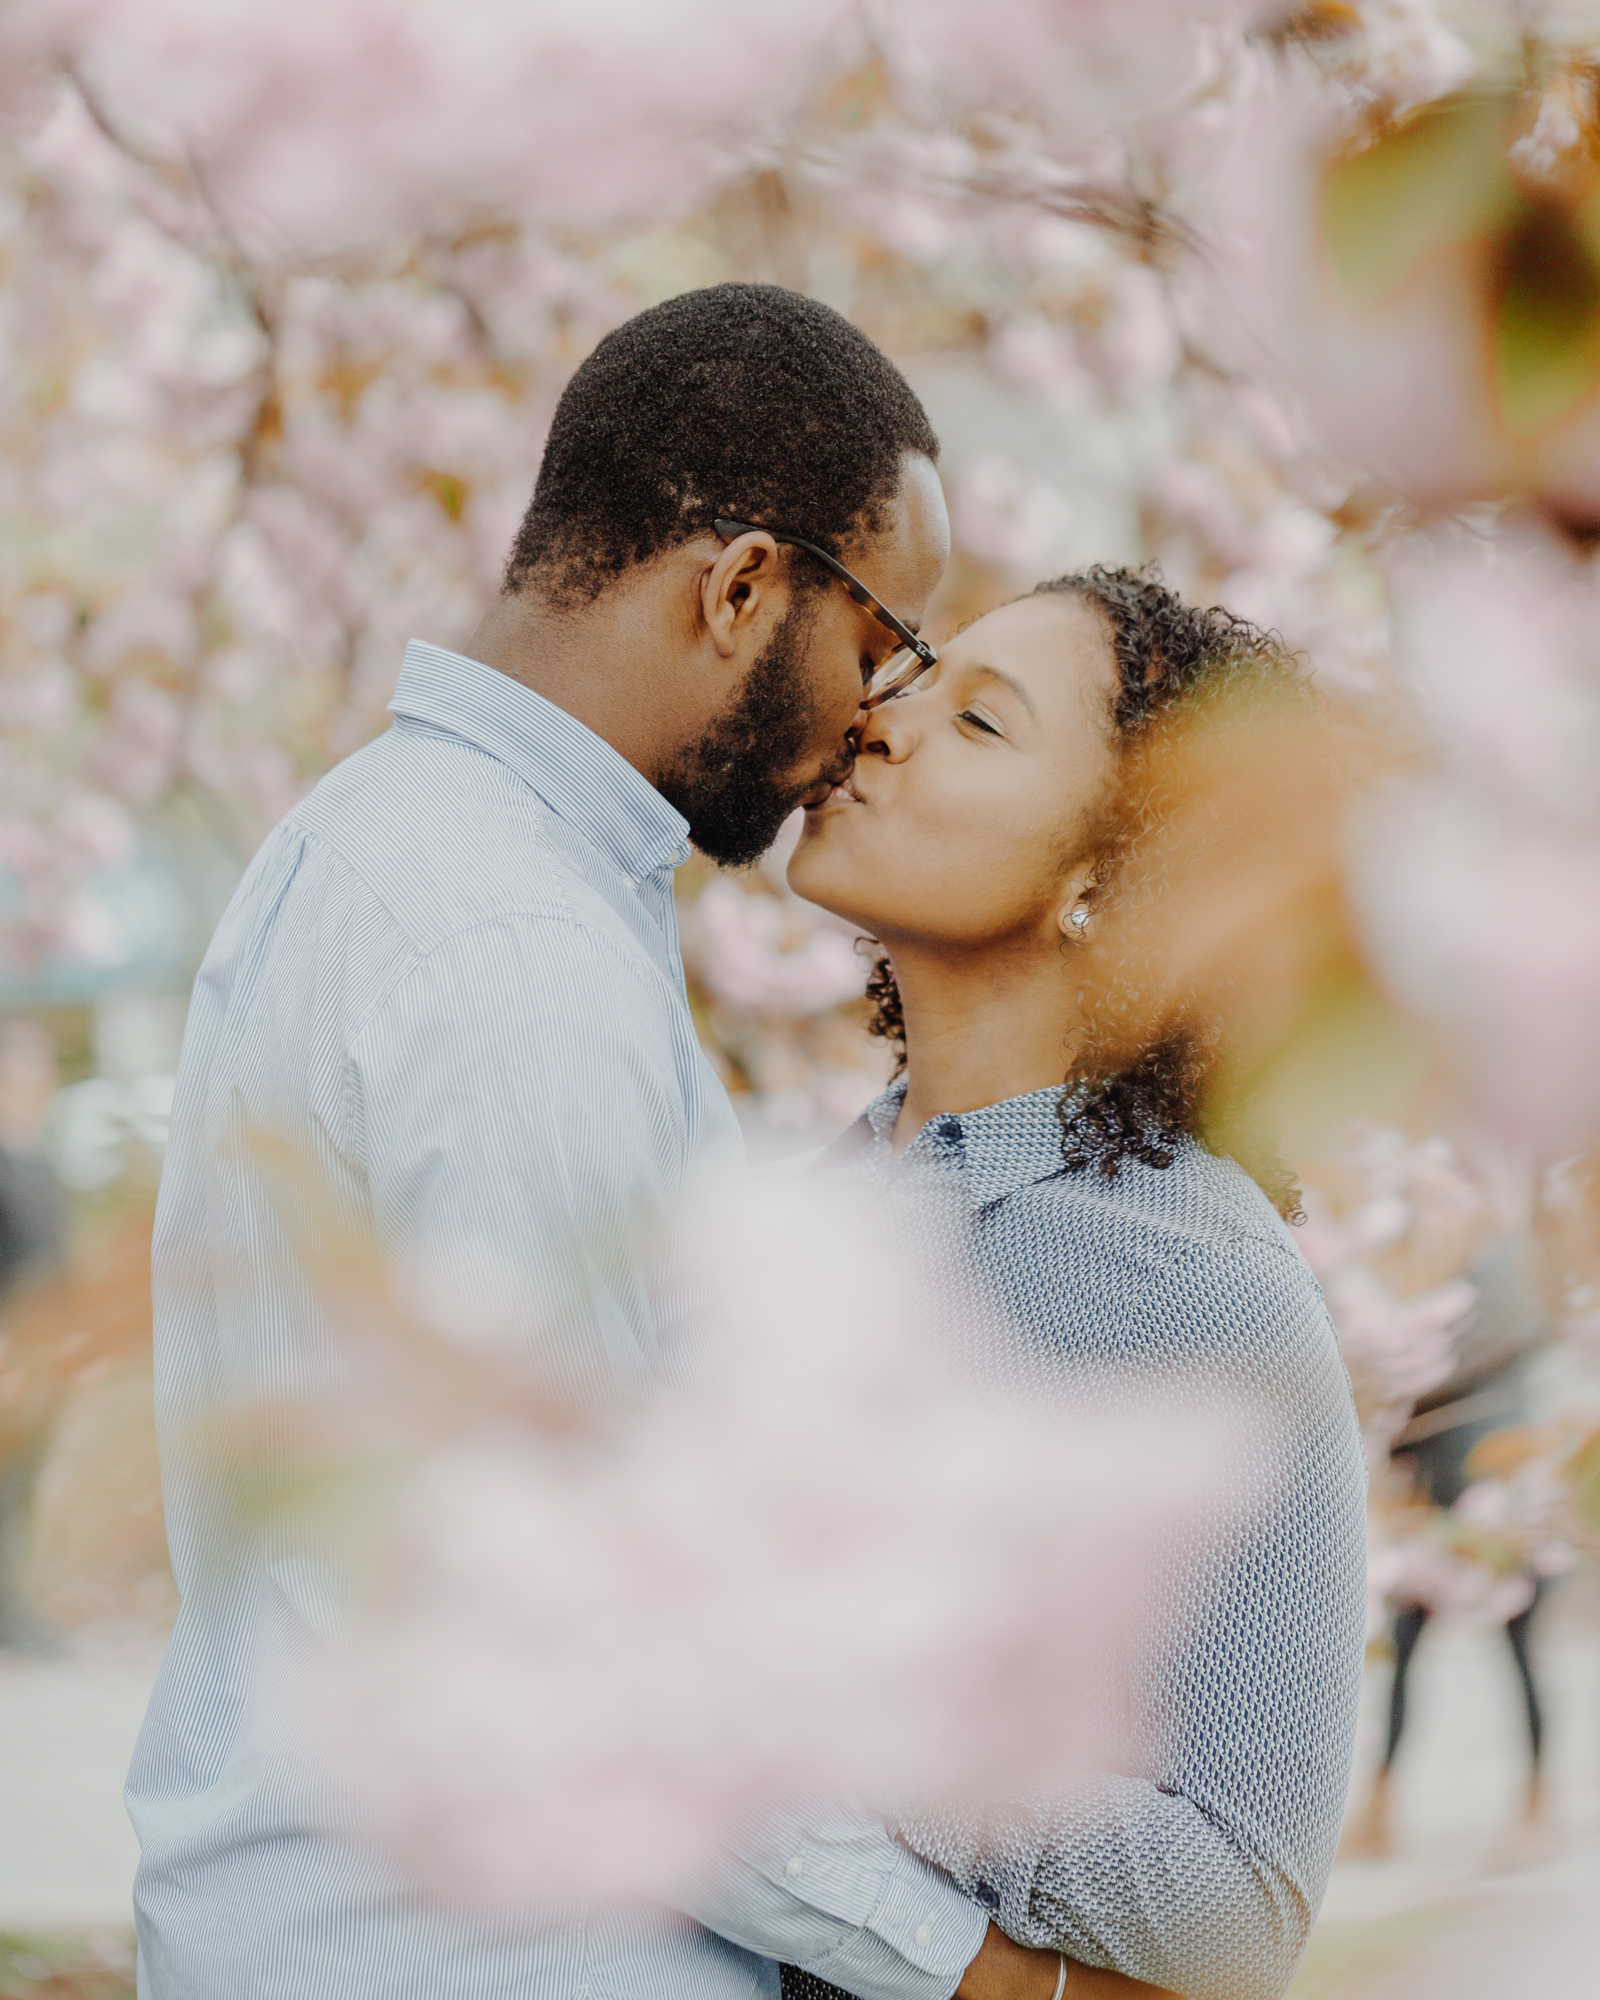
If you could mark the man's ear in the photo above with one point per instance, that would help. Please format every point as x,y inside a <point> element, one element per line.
<point>737,589</point>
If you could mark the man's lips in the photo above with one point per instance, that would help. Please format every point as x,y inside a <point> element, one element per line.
<point>841,792</point>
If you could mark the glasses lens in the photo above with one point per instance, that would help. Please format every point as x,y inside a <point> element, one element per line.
<point>895,675</point>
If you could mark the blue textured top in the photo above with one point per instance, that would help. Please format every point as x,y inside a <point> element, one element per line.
<point>1202,1871</point>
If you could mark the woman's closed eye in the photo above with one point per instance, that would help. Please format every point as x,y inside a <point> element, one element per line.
<point>978,720</point>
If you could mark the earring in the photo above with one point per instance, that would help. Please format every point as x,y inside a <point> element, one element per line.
<point>1074,923</point>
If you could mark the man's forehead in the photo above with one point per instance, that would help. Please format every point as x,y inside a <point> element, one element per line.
<point>912,542</point>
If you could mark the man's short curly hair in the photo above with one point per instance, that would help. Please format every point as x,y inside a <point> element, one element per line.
<point>1172,659</point>
<point>742,400</point>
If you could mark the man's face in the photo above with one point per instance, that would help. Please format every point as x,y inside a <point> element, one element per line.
<point>784,738</point>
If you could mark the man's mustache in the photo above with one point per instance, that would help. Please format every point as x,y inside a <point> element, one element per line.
<point>835,774</point>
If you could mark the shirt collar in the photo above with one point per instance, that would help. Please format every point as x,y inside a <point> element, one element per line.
<point>998,1148</point>
<point>583,781</point>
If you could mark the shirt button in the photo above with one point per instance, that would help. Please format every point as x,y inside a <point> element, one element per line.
<point>793,1865</point>
<point>924,1932</point>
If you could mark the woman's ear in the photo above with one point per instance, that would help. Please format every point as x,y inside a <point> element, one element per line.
<point>1078,904</point>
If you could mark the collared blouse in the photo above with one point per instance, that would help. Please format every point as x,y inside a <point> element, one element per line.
<point>1203,1871</point>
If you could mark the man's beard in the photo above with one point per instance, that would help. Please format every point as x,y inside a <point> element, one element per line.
<point>724,786</point>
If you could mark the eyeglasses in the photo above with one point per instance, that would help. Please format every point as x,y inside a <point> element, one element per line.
<point>912,657</point>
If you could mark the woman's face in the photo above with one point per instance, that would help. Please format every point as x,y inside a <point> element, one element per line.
<point>973,794</point>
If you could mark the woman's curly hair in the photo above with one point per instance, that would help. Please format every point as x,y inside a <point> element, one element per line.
<point>1124,1101</point>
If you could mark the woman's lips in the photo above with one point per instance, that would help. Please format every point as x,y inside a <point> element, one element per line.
<point>842,794</point>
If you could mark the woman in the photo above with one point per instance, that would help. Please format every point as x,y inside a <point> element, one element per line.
<point>997,828</point>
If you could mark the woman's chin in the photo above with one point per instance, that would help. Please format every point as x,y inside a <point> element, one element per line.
<point>811,879</point>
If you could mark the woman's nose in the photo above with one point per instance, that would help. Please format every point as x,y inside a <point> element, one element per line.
<point>885,731</point>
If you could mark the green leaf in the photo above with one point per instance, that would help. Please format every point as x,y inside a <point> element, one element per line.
<point>1439,178</point>
<point>1347,1054</point>
<point>1583,1469</point>
<point>1546,342</point>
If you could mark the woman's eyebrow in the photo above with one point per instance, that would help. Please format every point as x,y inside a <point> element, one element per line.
<point>1007,681</point>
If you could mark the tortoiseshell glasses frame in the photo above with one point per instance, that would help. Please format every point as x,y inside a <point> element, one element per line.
<point>911,658</point>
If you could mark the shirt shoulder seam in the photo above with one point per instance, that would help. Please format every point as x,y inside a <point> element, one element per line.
<point>356,873</point>
<point>1232,1233</point>
<point>565,919</point>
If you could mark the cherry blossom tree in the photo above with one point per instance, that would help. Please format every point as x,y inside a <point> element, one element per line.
<point>1301,300</point>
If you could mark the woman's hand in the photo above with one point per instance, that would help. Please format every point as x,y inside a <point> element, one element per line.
<point>1005,1970</point>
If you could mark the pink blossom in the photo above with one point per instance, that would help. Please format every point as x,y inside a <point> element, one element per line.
<point>1390,1227</point>
<point>1515,1004</point>
<point>1401,53</point>
<point>1480,876</point>
<point>1078,67</point>
<point>85,929</point>
<point>1500,640</point>
<point>137,756</point>
<point>772,954</point>
<point>95,828</point>
<point>1531,1510</point>
<point>1396,1349</point>
<point>1429,1570</point>
<point>724,1616</point>
<point>1141,341</point>
<point>1041,356</point>
<point>138,623</point>
<point>1556,132</point>
<point>1396,375</point>
<point>322,126</point>
<point>42,701</point>
<point>1009,517</point>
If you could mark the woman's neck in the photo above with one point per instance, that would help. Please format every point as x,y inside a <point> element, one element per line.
<point>983,1029</point>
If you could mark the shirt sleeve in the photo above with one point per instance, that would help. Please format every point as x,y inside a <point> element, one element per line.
<point>1203,1870</point>
<point>839,1897</point>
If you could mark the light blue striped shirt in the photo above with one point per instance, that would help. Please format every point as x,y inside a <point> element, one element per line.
<point>450,981</point>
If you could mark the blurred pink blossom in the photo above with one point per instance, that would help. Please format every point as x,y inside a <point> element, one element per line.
<point>41,701</point>
<point>1378,1218</point>
<point>1141,340</point>
<point>1401,53</point>
<point>1010,517</point>
<point>1080,68</point>
<point>1041,356</point>
<point>1500,641</point>
<point>772,954</point>
<point>1481,875</point>
<point>1531,1509</point>
<point>1396,374</point>
<point>95,828</point>
<point>728,1614</point>
<point>1430,1570</point>
<point>320,125</point>
<point>140,622</point>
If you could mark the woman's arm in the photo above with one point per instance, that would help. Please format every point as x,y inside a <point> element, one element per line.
<point>1203,1874</point>
<point>1004,1970</point>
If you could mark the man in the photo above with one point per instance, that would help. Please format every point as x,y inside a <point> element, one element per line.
<point>451,980</point>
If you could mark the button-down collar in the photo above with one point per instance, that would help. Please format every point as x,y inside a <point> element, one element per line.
<point>998,1148</point>
<point>586,783</point>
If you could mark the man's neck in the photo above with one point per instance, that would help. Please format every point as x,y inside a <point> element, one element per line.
<point>604,663</point>
<point>982,1029</point>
